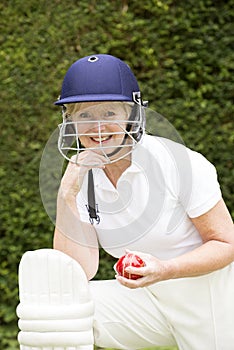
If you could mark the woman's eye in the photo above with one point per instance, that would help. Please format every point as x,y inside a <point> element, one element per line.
<point>84,115</point>
<point>110,114</point>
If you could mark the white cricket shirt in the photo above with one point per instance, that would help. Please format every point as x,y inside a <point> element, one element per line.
<point>150,208</point>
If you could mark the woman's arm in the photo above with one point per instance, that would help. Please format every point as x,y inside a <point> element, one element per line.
<point>72,236</point>
<point>217,251</point>
<point>217,231</point>
<point>87,258</point>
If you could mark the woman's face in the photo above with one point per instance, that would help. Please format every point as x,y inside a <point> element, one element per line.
<point>101,125</point>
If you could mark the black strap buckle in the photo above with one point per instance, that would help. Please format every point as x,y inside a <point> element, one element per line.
<point>93,214</point>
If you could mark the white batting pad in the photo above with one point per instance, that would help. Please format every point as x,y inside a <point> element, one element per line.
<point>55,310</point>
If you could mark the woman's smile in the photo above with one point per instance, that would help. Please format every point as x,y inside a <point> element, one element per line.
<point>102,139</point>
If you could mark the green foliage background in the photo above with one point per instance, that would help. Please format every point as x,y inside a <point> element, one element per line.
<point>181,52</point>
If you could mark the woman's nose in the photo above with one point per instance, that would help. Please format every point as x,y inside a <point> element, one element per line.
<point>98,127</point>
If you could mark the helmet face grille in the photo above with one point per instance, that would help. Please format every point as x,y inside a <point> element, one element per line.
<point>113,136</point>
<point>69,143</point>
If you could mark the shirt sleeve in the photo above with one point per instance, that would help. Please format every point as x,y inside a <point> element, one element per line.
<point>205,189</point>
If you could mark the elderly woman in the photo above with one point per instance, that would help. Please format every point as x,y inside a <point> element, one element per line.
<point>128,191</point>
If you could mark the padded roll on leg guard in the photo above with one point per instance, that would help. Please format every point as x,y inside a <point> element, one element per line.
<point>55,310</point>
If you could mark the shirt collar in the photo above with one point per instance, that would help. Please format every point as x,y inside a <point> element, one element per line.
<point>101,180</point>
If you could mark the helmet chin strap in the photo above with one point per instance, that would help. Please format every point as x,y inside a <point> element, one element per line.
<point>117,148</point>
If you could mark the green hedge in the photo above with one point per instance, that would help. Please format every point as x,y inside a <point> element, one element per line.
<point>181,52</point>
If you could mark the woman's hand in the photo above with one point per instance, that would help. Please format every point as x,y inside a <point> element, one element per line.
<point>155,270</point>
<point>74,175</point>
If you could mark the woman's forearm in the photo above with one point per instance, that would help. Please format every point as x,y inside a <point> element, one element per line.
<point>74,237</point>
<point>217,251</point>
<point>211,256</point>
<point>217,231</point>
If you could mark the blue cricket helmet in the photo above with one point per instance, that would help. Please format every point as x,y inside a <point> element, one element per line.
<point>99,78</point>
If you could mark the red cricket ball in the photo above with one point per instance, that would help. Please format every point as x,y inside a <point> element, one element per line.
<point>129,260</point>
